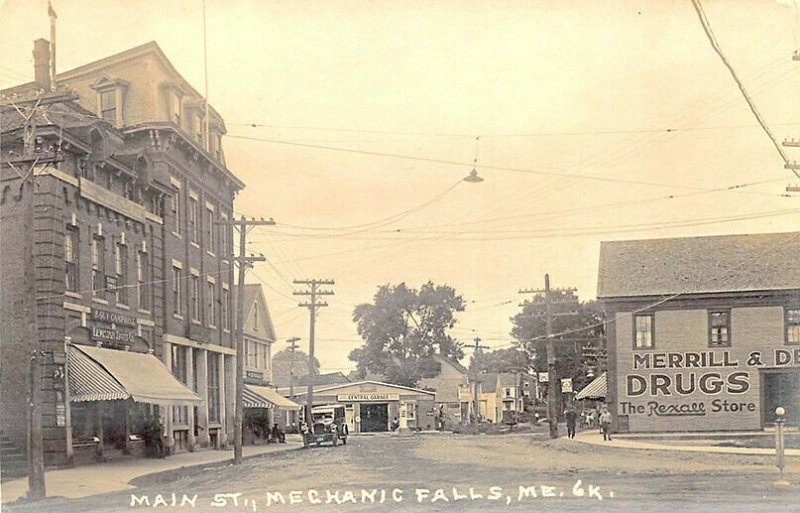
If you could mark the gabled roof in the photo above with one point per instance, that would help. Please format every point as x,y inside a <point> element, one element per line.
<point>378,383</point>
<point>331,378</point>
<point>715,264</point>
<point>488,382</point>
<point>252,294</point>
<point>453,363</point>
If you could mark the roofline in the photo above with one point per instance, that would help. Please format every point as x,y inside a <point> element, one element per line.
<point>166,125</point>
<point>698,294</point>
<point>725,235</point>
<point>342,385</point>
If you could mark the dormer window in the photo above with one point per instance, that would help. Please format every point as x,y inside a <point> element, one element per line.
<point>197,128</point>
<point>110,96</point>
<point>175,107</point>
<point>108,105</point>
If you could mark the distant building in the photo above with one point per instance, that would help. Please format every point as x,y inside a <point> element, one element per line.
<point>331,378</point>
<point>703,332</point>
<point>451,378</point>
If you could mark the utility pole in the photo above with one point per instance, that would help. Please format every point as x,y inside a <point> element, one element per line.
<point>476,410</point>
<point>243,262</point>
<point>292,347</point>
<point>313,292</point>
<point>548,297</point>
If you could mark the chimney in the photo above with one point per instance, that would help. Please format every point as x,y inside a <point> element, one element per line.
<point>41,63</point>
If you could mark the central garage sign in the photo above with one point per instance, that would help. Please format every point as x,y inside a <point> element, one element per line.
<point>367,397</point>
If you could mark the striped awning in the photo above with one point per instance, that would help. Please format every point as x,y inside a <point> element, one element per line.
<point>88,381</point>
<point>255,396</point>
<point>98,374</point>
<point>597,389</point>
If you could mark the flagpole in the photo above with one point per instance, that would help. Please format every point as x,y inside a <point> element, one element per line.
<point>205,77</point>
<point>53,17</point>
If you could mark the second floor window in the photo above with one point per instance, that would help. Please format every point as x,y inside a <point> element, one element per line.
<point>793,326</point>
<point>211,297</point>
<point>121,271</point>
<point>195,299</point>
<point>719,327</point>
<point>643,331</point>
<point>71,259</point>
<point>98,260</point>
<point>225,310</point>
<point>176,291</point>
<point>142,281</point>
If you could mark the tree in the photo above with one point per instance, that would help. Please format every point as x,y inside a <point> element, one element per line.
<point>403,327</point>
<point>573,333</point>
<point>283,362</point>
<point>500,360</point>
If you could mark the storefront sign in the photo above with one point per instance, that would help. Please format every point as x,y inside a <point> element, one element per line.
<point>113,318</point>
<point>113,336</point>
<point>543,377</point>
<point>566,386</point>
<point>254,374</point>
<point>695,384</point>
<point>367,397</point>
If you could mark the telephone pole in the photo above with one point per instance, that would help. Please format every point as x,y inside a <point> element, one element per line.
<point>547,297</point>
<point>243,262</point>
<point>292,347</point>
<point>476,410</point>
<point>313,292</point>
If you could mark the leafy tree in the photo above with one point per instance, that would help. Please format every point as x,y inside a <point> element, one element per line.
<point>403,327</point>
<point>283,363</point>
<point>500,360</point>
<point>573,333</point>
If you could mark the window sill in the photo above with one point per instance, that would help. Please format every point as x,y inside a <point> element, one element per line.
<point>123,306</point>
<point>74,295</point>
<point>224,330</point>
<point>196,322</point>
<point>212,327</point>
<point>211,254</point>
<point>177,316</point>
<point>195,244</point>
<point>100,301</point>
<point>177,235</point>
<point>143,311</point>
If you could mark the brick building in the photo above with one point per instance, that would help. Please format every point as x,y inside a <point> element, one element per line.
<point>703,332</point>
<point>129,263</point>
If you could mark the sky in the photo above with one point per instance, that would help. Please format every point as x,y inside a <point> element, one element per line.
<point>354,123</point>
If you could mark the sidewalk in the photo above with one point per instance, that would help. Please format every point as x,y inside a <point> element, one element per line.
<point>591,436</point>
<point>86,480</point>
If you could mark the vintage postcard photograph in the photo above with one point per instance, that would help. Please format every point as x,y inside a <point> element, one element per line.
<point>399,256</point>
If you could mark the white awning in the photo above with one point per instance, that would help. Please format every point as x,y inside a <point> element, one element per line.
<point>98,374</point>
<point>264,397</point>
<point>597,389</point>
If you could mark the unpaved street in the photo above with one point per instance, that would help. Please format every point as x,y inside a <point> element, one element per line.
<point>445,473</point>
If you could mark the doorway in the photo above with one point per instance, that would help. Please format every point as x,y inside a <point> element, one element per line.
<point>374,417</point>
<point>780,388</point>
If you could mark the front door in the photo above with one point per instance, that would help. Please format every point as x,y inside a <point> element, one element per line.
<point>781,388</point>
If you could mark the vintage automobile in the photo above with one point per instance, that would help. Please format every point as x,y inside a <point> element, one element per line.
<point>327,425</point>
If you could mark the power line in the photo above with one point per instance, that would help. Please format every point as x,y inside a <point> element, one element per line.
<point>698,7</point>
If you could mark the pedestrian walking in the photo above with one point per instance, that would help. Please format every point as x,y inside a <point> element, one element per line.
<point>572,417</point>
<point>605,424</point>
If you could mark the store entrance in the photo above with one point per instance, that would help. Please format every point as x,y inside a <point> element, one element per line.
<point>781,388</point>
<point>374,417</point>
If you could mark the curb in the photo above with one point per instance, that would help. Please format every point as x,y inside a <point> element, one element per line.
<point>175,473</point>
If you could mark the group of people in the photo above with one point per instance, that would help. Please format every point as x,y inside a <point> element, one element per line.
<point>605,422</point>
